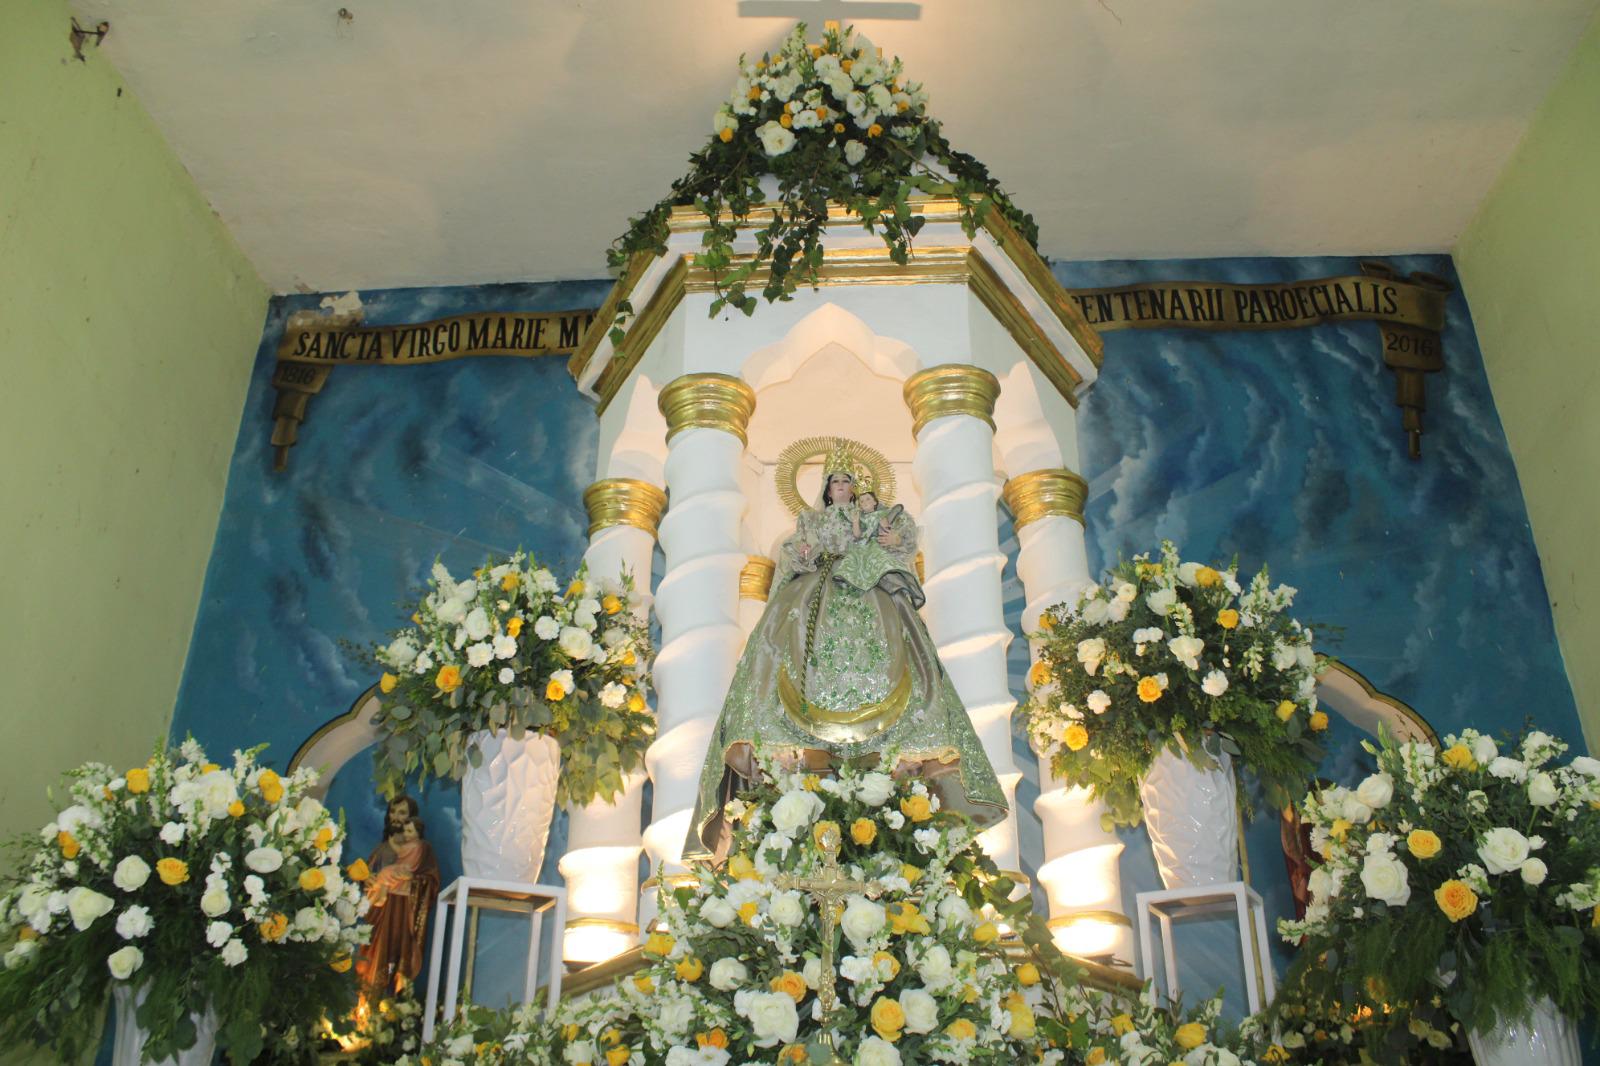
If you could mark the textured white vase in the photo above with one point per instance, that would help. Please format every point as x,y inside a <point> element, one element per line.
<point>506,806</point>
<point>128,1045</point>
<point>1546,1036</point>
<point>1192,816</point>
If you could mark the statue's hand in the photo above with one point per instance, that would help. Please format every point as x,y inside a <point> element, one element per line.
<point>888,538</point>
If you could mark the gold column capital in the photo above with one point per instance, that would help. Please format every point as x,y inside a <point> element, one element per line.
<point>1041,493</point>
<point>707,401</point>
<point>624,501</point>
<point>951,389</point>
<point>755,580</point>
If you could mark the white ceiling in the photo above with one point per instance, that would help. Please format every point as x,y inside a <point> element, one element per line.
<point>446,141</point>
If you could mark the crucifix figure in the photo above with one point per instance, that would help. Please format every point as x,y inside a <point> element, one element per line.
<point>828,890</point>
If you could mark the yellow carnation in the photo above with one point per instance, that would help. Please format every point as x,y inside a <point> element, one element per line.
<point>618,1055</point>
<point>68,844</point>
<point>1207,578</point>
<point>341,964</point>
<point>635,703</point>
<point>987,933</point>
<point>510,581</point>
<point>514,627</point>
<point>610,604</point>
<point>644,983</point>
<point>1039,674</point>
<point>1023,1023</point>
<point>905,918</point>
<point>323,838</point>
<point>740,868</point>
<point>271,786</point>
<point>235,809</point>
<point>138,780</point>
<point>1319,721</point>
<point>747,912</point>
<point>659,944</point>
<point>274,928</point>
<point>1122,1024</point>
<point>1076,737</point>
<point>1096,1056</point>
<point>887,965</point>
<point>1028,975</point>
<point>910,873</point>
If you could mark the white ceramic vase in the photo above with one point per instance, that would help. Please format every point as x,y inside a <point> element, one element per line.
<point>128,1044</point>
<point>1546,1036</point>
<point>506,806</point>
<point>1192,816</point>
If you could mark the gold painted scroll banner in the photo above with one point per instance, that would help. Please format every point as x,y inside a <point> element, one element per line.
<point>313,344</point>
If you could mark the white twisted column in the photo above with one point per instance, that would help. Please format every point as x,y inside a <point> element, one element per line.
<point>601,865</point>
<point>952,410</point>
<point>1079,873</point>
<point>697,602</point>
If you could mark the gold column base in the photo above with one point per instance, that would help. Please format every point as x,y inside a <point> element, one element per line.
<point>623,501</point>
<point>1041,493</point>
<point>707,401</point>
<point>755,580</point>
<point>951,389</point>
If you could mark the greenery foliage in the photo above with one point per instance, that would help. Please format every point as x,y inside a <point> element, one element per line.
<point>1173,654</point>
<point>837,126</point>
<point>509,649</point>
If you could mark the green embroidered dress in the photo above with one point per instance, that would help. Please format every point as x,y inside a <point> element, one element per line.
<point>841,668</point>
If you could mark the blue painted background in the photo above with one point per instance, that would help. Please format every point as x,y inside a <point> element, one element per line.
<point>1282,446</point>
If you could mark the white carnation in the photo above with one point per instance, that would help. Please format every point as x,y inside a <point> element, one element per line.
<point>217,933</point>
<point>234,952</point>
<point>576,642</point>
<point>876,1051</point>
<point>479,654</point>
<point>1098,701</point>
<point>477,624</point>
<point>787,909</point>
<point>613,695</point>
<point>1187,650</point>
<point>1508,769</point>
<point>1091,653</point>
<point>401,653</point>
<point>547,628</point>
<point>1161,601</point>
<point>854,152</point>
<point>134,923</point>
<point>505,646</point>
<point>506,675</point>
<point>1215,683</point>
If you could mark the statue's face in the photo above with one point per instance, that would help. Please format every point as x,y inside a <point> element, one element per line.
<point>868,502</point>
<point>840,489</point>
<point>399,813</point>
<point>408,833</point>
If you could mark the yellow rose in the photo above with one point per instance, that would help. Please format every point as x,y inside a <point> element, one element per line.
<point>917,808</point>
<point>1319,721</point>
<point>449,678</point>
<point>271,786</point>
<point>1023,1023</point>
<point>273,929</point>
<point>1039,674</point>
<point>1122,1024</point>
<point>846,64</point>
<point>1340,829</point>
<point>635,703</point>
<point>790,984</point>
<point>1149,689</point>
<point>514,627</point>
<point>987,933</point>
<point>68,844</point>
<point>822,114</point>
<point>1459,757</point>
<point>312,879</point>
<point>340,964</point>
<point>961,1029</point>
<point>574,589</point>
<point>747,912</point>
<point>628,658</point>
<point>887,965</point>
<point>1027,975</point>
<point>555,690</point>
<point>690,969</point>
<point>618,1055</point>
<point>838,127</point>
<point>610,604</point>
<point>826,831</point>
<point>888,1018</point>
<point>905,918</point>
<point>1207,578</point>
<point>209,767</point>
<point>569,1031</point>
<point>1423,843</point>
<point>1285,710</point>
<point>1190,1036</point>
<point>863,831</point>
<point>1076,738</point>
<point>235,809</point>
<point>659,944</point>
<point>510,582</point>
<point>1456,899</point>
<point>644,983</point>
<point>1096,1056</point>
<point>811,782</point>
<point>323,838</point>
<point>172,871</point>
<point>716,1038</point>
<point>359,871</point>
<point>138,780</point>
<point>910,873</point>
<point>740,868</point>
<point>387,682</point>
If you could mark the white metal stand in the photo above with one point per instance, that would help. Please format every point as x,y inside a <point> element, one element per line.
<point>476,893</point>
<point>1172,904</point>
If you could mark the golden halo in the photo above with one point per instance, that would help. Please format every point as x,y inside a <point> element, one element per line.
<point>871,470</point>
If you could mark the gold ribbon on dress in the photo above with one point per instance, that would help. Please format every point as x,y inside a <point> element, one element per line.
<point>849,726</point>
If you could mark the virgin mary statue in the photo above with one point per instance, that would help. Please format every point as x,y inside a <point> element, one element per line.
<point>840,668</point>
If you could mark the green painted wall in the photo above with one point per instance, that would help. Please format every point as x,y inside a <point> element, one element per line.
<point>1530,263</point>
<point>128,324</point>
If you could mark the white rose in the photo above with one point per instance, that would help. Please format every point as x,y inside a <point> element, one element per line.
<point>215,902</point>
<point>728,974</point>
<point>20,953</point>
<point>576,642</point>
<point>1162,600</point>
<point>263,860</point>
<point>773,1019</point>
<point>862,920</point>
<point>776,141</point>
<point>87,906</point>
<point>876,1051</point>
<point>401,653</point>
<point>1126,591</point>
<point>1187,650</point>
<point>1542,790</point>
<point>935,967</point>
<point>1321,884</point>
<point>1354,810</point>
<point>1376,791</point>
<point>547,628</point>
<point>451,612</point>
<point>812,971</point>
<point>134,923</point>
<point>75,817</point>
<point>854,152</point>
<point>124,961</point>
<point>893,819</point>
<point>1534,871</point>
<point>479,654</point>
<point>217,933</point>
<point>172,833</point>
<point>1384,878</point>
<point>234,952</point>
<point>1098,701</point>
<point>1484,750</point>
<point>1090,653</point>
<point>674,1016</point>
<point>953,910</point>
<point>1587,766</point>
<point>580,1051</point>
<point>506,675</point>
<point>1503,850</point>
<point>874,789</point>
<point>855,969</point>
<point>131,874</point>
<point>1117,610</point>
<point>718,913</point>
<point>1094,612</point>
<point>1508,769</point>
<point>1284,658</point>
<point>922,1012</point>
<point>795,810</point>
<point>786,908</point>
<point>1215,683</point>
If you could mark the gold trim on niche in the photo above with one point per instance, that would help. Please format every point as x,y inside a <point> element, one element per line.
<point>1003,304</point>
<point>951,389</point>
<point>853,266</point>
<point>624,501</point>
<point>1041,493</point>
<point>647,322</point>
<point>755,580</point>
<point>707,401</point>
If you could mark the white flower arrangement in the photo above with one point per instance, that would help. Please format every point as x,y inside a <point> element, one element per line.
<point>507,649</point>
<point>109,895</point>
